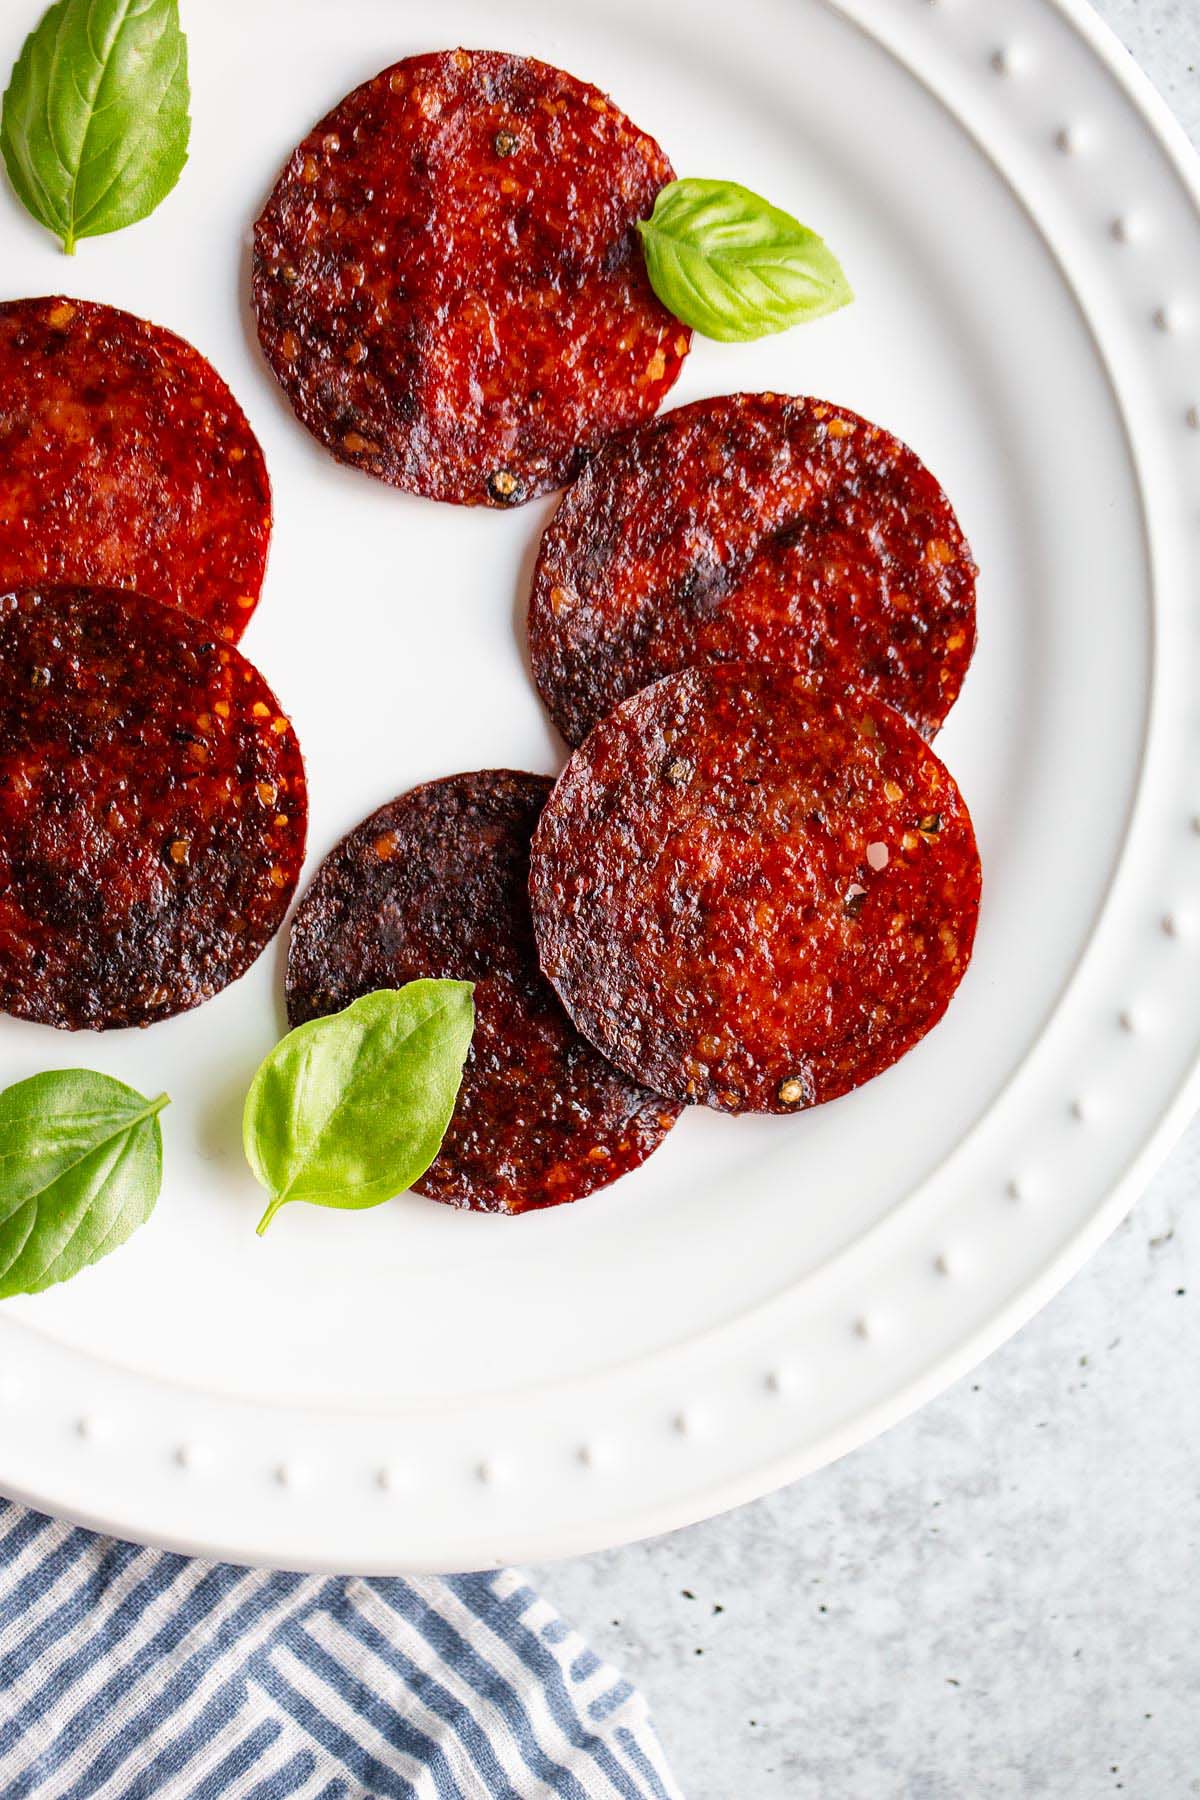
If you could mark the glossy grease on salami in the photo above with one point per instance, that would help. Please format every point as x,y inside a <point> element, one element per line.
<point>126,462</point>
<point>448,281</point>
<point>435,884</point>
<point>750,894</point>
<point>152,809</point>
<point>753,527</point>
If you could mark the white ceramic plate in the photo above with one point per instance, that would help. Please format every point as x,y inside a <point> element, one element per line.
<point>415,1388</point>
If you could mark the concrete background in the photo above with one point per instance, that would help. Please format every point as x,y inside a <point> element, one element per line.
<point>1002,1596</point>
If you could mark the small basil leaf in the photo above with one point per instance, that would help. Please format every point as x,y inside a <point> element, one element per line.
<point>80,1170</point>
<point>734,267</point>
<point>350,1110</point>
<point>94,130</point>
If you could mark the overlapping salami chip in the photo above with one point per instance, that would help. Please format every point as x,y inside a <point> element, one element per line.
<point>435,884</point>
<point>126,462</point>
<point>751,894</point>
<point>152,809</point>
<point>448,282</point>
<point>753,527</point>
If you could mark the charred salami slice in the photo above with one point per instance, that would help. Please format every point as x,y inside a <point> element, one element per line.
<point>750,894</point>
<point>753,527</point>
<point>435,884</point>
<point>152,809</point>
<point>448,282</point>
<point>126,462</point>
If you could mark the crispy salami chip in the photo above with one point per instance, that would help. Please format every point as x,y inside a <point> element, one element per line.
<point>126,462</point>
<point>448,281</point>
<point>753,895</point>
<point>753,528</point>
<point>152,809</point>
<point>435,884</point>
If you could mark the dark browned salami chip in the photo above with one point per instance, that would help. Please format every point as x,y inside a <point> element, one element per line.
<point>753,528</point>
<point>448,281</point>
<point>152,809</point>
<point>126,462</point>
<point>750,894</point>
<point>435,884</point>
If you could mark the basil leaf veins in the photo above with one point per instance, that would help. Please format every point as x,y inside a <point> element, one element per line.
<point>349,1110</point>
<point>80,1170</point>
<point>94,128</point>
<point>733,266</point>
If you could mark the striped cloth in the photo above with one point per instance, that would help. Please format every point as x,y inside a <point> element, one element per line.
<point>127,1672</point>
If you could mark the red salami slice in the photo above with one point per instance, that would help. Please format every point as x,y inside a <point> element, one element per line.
<point>752,895</point>
<point>435,884</point>
<point>448,282</point>
<point>126,462</point>
<point>753,528</point>
<point>152,809</point>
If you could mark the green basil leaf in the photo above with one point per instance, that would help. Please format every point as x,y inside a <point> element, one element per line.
<point>350,1110</point>
<point>94,130</point>
<point>734,267</point>
<point>80,1170</point>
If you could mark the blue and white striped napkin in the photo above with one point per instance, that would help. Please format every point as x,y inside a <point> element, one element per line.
<point>127,1673</point>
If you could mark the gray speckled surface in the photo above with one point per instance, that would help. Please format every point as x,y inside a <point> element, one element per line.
<point>1002,1596</point>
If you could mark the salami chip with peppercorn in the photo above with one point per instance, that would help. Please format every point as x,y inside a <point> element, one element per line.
<point>751,894</point>
<point>435,884</point>
<point>152,809</point>
<point>126,462</point>
<point>754,527</point>
<point>448,281</point>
